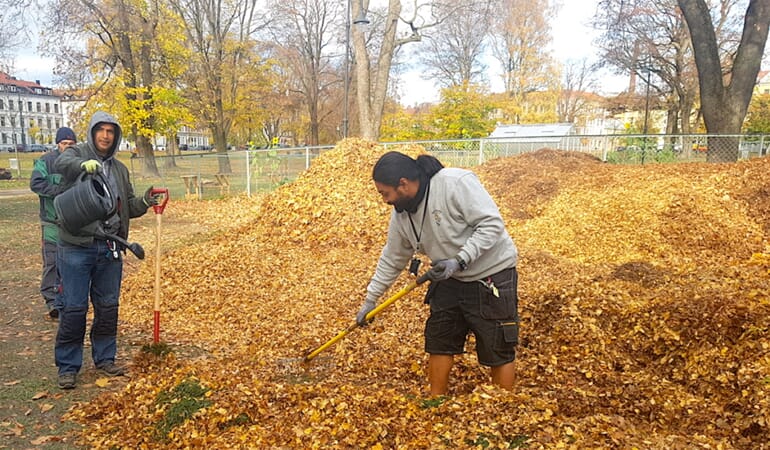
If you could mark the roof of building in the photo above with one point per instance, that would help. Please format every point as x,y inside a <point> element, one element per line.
<point>7,79</point>
<point>534,130</point>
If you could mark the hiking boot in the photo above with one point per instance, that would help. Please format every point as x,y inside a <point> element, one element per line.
<point>67,380</point>
<point>110,369</point>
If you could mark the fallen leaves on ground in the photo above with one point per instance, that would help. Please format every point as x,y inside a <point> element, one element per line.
<point>644,299</point>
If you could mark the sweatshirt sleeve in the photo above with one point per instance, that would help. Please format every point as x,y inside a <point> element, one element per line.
<point>136,206</point>
<point>392,262</point>
<point>473,203</point>
<point>68,164</point>
<point>39,181</point>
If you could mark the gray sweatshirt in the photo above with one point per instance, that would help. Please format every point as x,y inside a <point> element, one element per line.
<point>462,219</point>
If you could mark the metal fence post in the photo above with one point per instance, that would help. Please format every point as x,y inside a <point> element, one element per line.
<point>248,174</point>
<point>481,155</point>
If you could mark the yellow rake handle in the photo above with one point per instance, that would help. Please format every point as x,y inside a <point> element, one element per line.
<point>405,290</point>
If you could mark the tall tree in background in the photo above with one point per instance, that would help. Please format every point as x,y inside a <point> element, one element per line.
<point>578,81</point>
<point>11,30</point>
<point>125,55</point>
<point>305,30</point>
<point>465,112</point>
<point>374,53</point>
<point>455,47</point>
<point>648,39</point>
<point>521,36</point>
<point>219,33</point>
<point>726,86</point>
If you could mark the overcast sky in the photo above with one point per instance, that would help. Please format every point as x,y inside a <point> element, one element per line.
<point>572,39</point>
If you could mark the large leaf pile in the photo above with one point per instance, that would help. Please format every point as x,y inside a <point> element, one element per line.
<point>644,297</point>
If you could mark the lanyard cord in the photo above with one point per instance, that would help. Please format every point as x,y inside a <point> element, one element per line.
<point>424,213</point>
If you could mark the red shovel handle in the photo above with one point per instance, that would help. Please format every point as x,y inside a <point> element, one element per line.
<point>162,204</point>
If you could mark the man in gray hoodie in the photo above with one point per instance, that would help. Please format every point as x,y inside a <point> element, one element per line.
<point>89,263</point>
<point>447,215</point>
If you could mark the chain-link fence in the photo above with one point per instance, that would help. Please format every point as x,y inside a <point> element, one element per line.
<point>211,175</point>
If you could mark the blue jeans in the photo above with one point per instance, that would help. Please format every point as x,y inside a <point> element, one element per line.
<point>87,271</point>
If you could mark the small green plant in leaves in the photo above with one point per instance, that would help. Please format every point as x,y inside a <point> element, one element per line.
<point>184,400</point>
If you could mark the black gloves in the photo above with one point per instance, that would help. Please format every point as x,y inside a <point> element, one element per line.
<point>149,198</point>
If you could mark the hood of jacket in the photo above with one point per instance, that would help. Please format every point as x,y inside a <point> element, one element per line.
<point>96,119</point>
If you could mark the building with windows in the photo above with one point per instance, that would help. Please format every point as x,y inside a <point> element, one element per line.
<point>29,113</point>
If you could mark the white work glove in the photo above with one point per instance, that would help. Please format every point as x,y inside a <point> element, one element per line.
<point>369,304</point>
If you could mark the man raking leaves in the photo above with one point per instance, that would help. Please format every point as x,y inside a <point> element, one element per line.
<point>447,215</point>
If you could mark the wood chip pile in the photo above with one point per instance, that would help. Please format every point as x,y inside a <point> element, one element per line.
<point>644,298</point>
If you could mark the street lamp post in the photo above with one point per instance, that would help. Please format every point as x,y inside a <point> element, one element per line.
<point>647,102</point>
<point>359,20</point>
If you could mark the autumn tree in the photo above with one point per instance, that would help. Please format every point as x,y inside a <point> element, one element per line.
<point>305,29</point>
<point>456,45</point>
<point>648,40</point>
<point>11,30</point>
<point>464,112</point>
<point>406,124</point>
<point>758,115</point>
<point>578,80</point>
<point>124,62</point>
<point>264,103</point>
<point>521,35</point>
<point>726,81</point>
<point>374,50</point>
<point>219,35</point>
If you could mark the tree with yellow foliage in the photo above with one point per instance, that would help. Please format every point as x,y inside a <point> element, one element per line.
<point>131,58</point>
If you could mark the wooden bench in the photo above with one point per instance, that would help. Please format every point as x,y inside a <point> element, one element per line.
<point>192,186</point>
<point>223,180</point>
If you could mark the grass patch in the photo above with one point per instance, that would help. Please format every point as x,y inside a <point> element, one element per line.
<point>180,404</point>
<point>158,349</point>
<point>485,440</point>
<point>434,402</point>
<point>19,238</point>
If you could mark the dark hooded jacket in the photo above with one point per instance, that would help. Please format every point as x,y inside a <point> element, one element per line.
<point>45,182</point>
<point>68,164</point>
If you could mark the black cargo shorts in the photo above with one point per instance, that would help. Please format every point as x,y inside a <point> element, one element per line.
<point>488,308</point>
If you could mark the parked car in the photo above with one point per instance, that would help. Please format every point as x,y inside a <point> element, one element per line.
<point>6,148</point>
<point>40,148</point>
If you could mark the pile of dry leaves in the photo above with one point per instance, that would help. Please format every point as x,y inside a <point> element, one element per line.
<point>644,297</point>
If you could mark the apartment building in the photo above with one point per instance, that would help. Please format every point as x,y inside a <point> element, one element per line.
<point>29,113</point>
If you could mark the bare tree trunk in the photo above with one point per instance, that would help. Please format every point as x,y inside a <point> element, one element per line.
<point>371,90</point>
<point>172,149</point>
<point>220,144</point>
<point>724,106</point>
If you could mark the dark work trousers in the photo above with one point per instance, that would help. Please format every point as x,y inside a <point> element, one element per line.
<point>87,272</point>
<point>49,283</point>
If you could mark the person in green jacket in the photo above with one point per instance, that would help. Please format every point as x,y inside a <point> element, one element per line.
<point>46,183</point>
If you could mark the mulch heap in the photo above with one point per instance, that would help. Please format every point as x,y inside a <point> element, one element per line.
<point>644,298</point>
